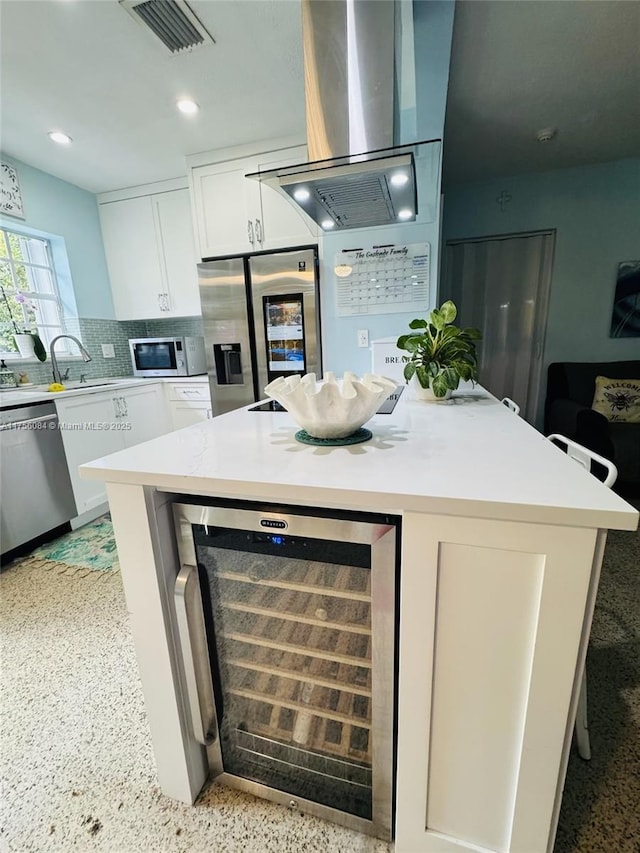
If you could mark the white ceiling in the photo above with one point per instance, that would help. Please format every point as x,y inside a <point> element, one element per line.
<point>518,67</point>
<point>88,68</point>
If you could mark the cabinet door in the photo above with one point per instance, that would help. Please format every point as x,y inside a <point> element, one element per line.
<point>146,413</point>
<point>283,223</point>
<point>133,260</point>
<point>177,252</point>
<point>90,429</point>
<point>226,207</point>
<point>191,392</point>
<point>188,414</point>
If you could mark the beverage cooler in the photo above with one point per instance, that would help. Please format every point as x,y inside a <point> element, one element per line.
<point>287,633</point>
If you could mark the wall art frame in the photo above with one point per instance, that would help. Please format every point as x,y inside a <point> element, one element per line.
<point>625,312</point>
<point>10,192</point>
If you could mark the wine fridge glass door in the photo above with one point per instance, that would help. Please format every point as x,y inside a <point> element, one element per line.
<point>291,625</point>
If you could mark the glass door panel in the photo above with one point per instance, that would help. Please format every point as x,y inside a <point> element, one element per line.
<point>289,622</point>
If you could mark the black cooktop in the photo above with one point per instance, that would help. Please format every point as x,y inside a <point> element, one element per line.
<point>386,407</point>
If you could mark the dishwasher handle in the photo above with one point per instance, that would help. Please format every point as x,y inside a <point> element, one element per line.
<point>18,424</point>
<point>195,655</point>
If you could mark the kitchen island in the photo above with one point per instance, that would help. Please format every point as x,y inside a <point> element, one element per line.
<point>501,545</point>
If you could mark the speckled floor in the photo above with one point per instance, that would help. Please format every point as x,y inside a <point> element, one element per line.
<point>77,767</point>
<point>76,760</point>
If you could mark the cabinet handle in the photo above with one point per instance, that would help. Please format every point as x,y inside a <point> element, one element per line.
<point>125,410</point>
<point>259,234</point>
<point>209,414</point>
<point>250,232</point>
<point>116,406</point>
<point>160,305</point>
<point>167,304</point>
<point>193,646</point>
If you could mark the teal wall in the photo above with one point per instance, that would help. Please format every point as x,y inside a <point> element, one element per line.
<point>596,213</point>
<point>433,29</point>
<point>55,207</point>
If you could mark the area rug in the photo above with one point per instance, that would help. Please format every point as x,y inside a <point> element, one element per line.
<point>90,548</point>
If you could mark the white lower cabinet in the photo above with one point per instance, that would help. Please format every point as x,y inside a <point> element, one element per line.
<point>91,427</point>
<point>189,402</point>
<point>95,425</point>
<point>145,413</point>
<point>188,414</point>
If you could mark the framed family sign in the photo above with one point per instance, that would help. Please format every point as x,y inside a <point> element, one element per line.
<point>10,193</point>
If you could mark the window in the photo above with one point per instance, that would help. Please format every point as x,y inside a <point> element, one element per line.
<point>29,299</point>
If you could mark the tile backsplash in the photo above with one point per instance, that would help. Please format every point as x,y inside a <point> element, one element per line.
<point>93,333</point>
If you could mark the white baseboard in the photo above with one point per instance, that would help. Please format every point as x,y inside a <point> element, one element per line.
<point>89,515</point>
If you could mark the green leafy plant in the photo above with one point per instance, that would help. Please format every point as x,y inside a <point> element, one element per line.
<point>440,354</point>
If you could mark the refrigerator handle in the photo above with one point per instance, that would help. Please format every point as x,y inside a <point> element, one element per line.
<point>250,232</point>
<point>195,655</point>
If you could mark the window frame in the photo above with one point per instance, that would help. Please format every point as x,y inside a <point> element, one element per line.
<point>45,330</point>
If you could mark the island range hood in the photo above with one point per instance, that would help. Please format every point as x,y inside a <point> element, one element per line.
<point>356,177</point>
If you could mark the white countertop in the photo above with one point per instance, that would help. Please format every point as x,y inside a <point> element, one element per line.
<point>39,393</point>
<point>468,457</point>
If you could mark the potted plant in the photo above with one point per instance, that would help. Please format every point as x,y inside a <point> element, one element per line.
<point>440,354</point>
<point>28,343</point>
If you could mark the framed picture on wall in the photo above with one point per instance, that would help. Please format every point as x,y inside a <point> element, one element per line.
<point>10,193</point>
<point>625,316</point>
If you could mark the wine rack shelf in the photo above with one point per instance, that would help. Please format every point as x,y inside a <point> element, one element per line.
<point>297,653</point>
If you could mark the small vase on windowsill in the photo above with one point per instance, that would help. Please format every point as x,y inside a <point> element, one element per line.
<point>30,346</point>
<point>25,345</point>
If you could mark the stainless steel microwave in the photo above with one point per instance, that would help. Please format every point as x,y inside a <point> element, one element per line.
<point>168,356</point>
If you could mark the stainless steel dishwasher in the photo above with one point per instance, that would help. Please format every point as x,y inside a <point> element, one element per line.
<point>36,489</point>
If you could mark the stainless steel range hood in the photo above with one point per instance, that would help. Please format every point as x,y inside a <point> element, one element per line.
<point>356,178</point>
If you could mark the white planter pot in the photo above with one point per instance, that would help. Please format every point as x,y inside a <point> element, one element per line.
<point>426,394</point>
<point>25,345</point>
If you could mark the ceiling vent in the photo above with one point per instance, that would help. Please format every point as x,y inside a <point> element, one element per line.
<point>172,21</point>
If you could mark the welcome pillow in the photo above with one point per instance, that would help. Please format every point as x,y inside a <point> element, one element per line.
<point>617,399</point>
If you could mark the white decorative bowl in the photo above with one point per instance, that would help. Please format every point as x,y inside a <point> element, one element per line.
<point>330,407</point>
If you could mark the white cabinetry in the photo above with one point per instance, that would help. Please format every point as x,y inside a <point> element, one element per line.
<point>95,425</point>
<point>235,214</point>
<point>148,241</point>
<point>189,403</point>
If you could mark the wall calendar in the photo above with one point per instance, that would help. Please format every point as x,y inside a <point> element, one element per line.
<point>388,279</point>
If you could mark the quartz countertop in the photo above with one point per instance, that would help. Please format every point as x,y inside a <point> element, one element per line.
<point>39,393</point>
<point>469,456</point>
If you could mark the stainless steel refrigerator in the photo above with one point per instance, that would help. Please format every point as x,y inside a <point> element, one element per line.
<point>261,320</point>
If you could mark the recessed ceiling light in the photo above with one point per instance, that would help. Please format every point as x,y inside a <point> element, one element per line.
<point>187,106</point>
<point>399,179</point>
<point>301,194</point>
<point>405,213</point>
<point>327,223</point>
<point>59,137</point>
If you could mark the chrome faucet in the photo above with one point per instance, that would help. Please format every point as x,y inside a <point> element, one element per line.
<point>54,361</point>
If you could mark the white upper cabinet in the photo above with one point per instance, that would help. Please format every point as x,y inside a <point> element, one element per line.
<point>236,215</point>
<point>283,222</point>
<point>226,205</point>
<point>178,253</point>
<point>150,253</point>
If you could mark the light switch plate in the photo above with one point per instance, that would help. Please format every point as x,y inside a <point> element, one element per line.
<point>108,351</point>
